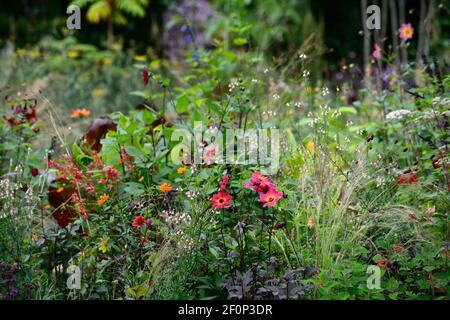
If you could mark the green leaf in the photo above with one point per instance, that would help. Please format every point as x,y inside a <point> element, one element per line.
<point>239,41</point>
<point>345,110</point>
<point>213,107</point>
<point>182,104</point>
<point>291,139</point>
<point>214,251</point>
<point>139,94</point>
<point>80,156</point>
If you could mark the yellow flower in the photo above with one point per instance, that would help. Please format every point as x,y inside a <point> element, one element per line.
<point>310,146</point>
<point>311,223</point>
<point>140,58</point>
<point>21,52</point>
<point>107,61</point>
<point>165,187</point>
<point>141,179</point>
<point>104,246</point>
<point>98,92</point>
<point>47,206</point>
<point>102,199</point>
<point>72,54</point>
<point>182,170</point>
<point>117,46</point>
<point>35,53</point>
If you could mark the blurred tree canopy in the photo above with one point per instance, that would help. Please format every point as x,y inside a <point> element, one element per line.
<point>276,26</point>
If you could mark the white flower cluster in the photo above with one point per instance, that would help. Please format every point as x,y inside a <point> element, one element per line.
<point>6,198</point>
<point>233,85</point>
<point>336,113</point>
<point>186,243</point>
<point>324,110</point>
<point>297,104</point>
<point>269,113</point>
<point>175,218</point>
<point>6,189</point>
<point>191,194</point>
<point>431,115</point>
<point>440,101</point>
<point>398,114</point>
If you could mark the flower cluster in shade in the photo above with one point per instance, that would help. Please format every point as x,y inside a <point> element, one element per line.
<point>187,33</point>
<point>94,183</point>
<point>21,114</point>
<point>400,114</point>
<point>266,189</point>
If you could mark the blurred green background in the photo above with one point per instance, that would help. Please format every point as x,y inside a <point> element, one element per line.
<point>98,66</point>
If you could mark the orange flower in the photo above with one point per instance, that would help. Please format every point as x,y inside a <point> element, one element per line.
<point>181,170</point>
<point>60,189</point>
<point>80,113</point>
<point>47,206</point>
<point>311,223</point>
<point>165,187</point>
<point>102,199</point>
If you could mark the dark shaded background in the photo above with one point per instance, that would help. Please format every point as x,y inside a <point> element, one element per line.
<point>25,22</point>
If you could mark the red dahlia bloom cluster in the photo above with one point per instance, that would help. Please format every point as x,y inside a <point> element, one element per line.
<point>407,178</point>
<point>224,182</point>
<point>222,198</point>
<point>268,193</point>
<point>22,114</point>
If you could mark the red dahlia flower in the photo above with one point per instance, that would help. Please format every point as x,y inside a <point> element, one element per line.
<point>221,200</point>
<point>258,180</point>
<point>34,172</point>
<point>265,187</point>
<point>407,178</point>
<point>270,198</point>
<point>138,222</point>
